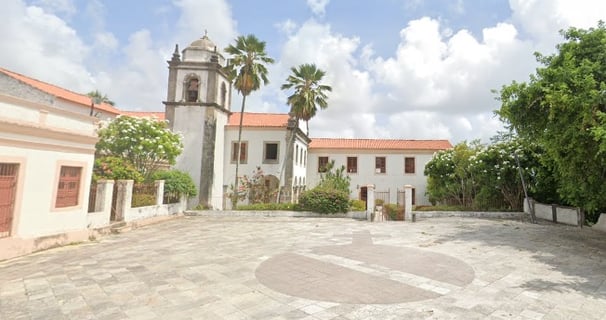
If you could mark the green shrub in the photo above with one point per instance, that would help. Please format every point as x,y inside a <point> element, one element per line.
<point>143,200</point>
<point>379,202</point>
<point>322,200</point>
<point>393,211</point>
<point>176,182</point>
<point>115,168</point>
<point>269,206</point>
<point>357,205</point>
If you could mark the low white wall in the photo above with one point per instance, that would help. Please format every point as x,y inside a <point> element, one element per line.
<point>601,224</point>
<point>140,213</point>
<point>565,215</point>
<point>97,219</point>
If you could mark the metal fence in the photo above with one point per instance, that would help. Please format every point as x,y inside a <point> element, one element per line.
<point>144,194</point>
<point>382,195</point>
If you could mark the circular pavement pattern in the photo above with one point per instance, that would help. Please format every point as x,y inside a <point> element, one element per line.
<point>362,272</point>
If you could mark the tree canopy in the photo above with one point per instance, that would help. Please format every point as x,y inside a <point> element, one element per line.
<point>309,93</point>
<point>563,109</point>
<point>145,143</point>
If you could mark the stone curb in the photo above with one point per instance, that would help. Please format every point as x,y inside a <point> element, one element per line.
<point>361,215</point>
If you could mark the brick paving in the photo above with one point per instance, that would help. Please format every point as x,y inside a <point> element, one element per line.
<point>313,268</point>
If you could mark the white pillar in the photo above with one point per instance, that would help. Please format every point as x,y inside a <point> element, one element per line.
<point>370,201</point>
<point>124,199</point>
<point>408,203</point>
<point>159,192</point>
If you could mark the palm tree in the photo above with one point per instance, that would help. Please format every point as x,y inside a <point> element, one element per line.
<point>309,93</point>
<point>304,102</point>
<point>96,98</point>
<point>247,69</point>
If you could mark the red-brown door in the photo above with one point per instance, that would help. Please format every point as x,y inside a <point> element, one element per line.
<point>8,188</point>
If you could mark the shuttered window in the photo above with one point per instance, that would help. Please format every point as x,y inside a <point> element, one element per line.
<point>68,189</point>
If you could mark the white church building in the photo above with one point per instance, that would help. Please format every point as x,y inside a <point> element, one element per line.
<point>198,105</point>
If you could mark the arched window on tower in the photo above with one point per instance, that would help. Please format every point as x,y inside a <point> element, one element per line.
<point>192,89</point>
<point>223,94</point>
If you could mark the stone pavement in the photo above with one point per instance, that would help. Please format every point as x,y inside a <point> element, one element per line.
<point>315,268</point>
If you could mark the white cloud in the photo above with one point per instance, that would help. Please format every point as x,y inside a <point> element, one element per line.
<point>41,45</point>
<point>198,16</point>
<point>287,27</point>
<point>318,7</point>
<point>58,7</point>
<point>106,41</point>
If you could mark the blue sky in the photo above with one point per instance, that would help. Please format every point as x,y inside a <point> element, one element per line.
<point>405,69</point>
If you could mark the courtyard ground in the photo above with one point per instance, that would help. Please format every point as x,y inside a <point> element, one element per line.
<point>316,268</point>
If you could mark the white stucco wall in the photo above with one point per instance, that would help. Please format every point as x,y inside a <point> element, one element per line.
<point>300,164</point>
<point>255,137</point>
<point>190,120</point>
<point>41,145</point>
<point>392,180</point>
<point>220,146</point>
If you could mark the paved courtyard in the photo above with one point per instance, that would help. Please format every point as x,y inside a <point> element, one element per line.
<point>309,268</point>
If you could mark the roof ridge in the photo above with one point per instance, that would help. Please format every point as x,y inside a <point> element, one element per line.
<point>41,81</point>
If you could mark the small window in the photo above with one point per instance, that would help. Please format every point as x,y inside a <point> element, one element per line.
<point>409,165</point>
<point>270,150</point>
<point>322,164</point>
<point>297,155</point>
<point>352,164</point>
<point>243,150</point>
<point>192,90</point>
<point>68,189</point>
<point>380,165</point>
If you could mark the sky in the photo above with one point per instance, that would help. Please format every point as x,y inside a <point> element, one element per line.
<point>399,69</point>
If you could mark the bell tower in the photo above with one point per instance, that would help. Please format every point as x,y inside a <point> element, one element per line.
<point>197,106</point>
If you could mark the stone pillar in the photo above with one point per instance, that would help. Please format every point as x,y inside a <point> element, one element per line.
<point>370,201</point>
<point>124,198</point>
<point>408,203</point>
<point>159,192</point>
<point>103,199</point>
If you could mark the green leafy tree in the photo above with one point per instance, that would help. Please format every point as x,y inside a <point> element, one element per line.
<point>334,179</point>
<point>449,175</point>
<point>115,168</point>
<point>145,143</point>
<point>497,175</point>
<point>247,70</point>
<point>176,182</point>
<point>309,93</point>
<point>562,108</point>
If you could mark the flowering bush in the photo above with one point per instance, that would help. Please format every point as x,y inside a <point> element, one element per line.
<point>144,142</point>
<point>257,188</point>
<point>114,168</point>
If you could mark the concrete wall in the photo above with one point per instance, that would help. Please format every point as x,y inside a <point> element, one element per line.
<point>393,179</point>
<point>565,215</point>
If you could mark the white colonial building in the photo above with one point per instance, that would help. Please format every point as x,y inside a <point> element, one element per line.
<point>386,164</point>
<point>47,147</point>
<point>198,106</point>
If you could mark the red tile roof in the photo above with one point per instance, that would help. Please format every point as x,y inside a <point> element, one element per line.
<point>59,92</point>
<point>258,119</point>
<point>378,144</point>
<point>144,114</point>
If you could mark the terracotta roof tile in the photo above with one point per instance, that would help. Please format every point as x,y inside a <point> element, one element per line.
<point>259,119</point>
<point>59,92</point>
<point>379,144</point>
<point>143,114</point>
